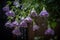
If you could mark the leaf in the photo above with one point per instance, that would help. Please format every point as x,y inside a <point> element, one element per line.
<point>53,24</point>
<point>9,2</point>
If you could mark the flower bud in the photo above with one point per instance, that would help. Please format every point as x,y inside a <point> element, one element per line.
<point>6,8</point>
<point>33,13</point>
<point>9,24</point>
<point>16,32</point>
<point>44,13</point>
<point>10,13</point>
<point>23,24</point>
<point>16,3</point>
<point>15,23</point>
<point>49,31</point>
<point>28,19</point>
<point>35,27</point>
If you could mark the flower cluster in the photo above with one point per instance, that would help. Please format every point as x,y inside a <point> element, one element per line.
<point>43,13</point>
<point>23,21</point>
<point>8,12</point>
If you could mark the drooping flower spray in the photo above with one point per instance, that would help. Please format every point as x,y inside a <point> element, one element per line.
<point>12,15</point>
<point>49,31</point>
<point>33,13</point>
<point>20,16</point>
<point>44,13</point>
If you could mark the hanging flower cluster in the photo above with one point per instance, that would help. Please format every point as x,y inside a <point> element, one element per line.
<point>6,8</point>
<point>44,13</point>
<point>49,31</point>
<point>23,21</point>
<point>33,13</point>
<point>16,31</point>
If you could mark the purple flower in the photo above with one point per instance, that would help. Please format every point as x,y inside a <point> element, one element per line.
<point>35,27</point>
<point>33,13</point>
<point>28,19</point>
<point>10,13</point>
<point>16,32</point>
<point>15,23</point>
<point>44,13</point>
<point>23,24</point>
<point>9,24</point>
<point>6,8</point>
<point>49,31</point>
<point>16,3</point>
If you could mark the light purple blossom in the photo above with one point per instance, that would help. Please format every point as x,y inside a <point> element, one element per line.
<point>49,31</point>
<point>23,24</point>
<point>44,13</point>
<point>6,8</point>
<point>10,13</point>
<point>35,27</point>
<point>16,3</point>
<point>16,32</point>
<point>15,23</point>
<point>28,19</point>
<point>33,13</point>
<point>9,24</point>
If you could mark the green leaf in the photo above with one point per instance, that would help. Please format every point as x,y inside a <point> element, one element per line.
<point>53,24</point>
<point>9,2</point>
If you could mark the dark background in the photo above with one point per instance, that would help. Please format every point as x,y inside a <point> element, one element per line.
<point>5,34</point>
